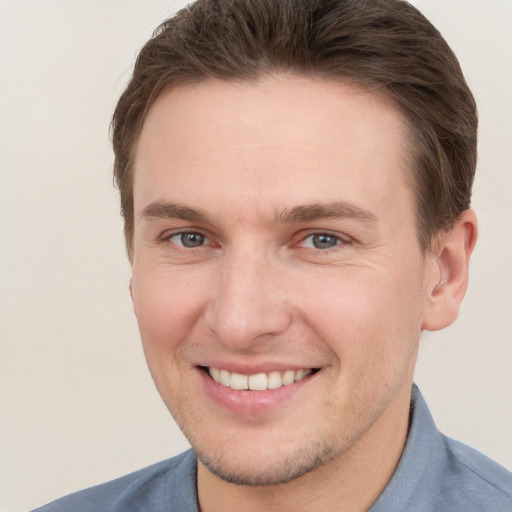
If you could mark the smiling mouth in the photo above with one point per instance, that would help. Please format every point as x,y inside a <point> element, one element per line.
<point>258,381</point>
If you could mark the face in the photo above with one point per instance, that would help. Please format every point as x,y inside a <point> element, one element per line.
<point>275,249</point>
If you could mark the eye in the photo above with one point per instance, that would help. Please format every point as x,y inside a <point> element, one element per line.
<point>189,240</point>
<point>321,241</point>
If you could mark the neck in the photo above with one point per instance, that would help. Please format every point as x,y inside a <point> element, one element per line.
<point>352,482</point>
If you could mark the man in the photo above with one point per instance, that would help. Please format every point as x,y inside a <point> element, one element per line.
<point>295,181</point>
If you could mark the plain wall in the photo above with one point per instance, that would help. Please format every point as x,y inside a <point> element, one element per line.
<point>77,403</point>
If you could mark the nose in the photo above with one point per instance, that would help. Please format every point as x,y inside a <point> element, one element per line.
<point>249,303</point>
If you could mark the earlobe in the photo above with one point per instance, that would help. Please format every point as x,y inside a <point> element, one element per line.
<point>453,251</point>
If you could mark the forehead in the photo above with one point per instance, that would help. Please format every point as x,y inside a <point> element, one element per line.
<point>284,139</point>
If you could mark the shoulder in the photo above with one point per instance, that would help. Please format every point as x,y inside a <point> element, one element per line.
<point>157,487</point>
<point>475,480</point>
<point>438,474</point>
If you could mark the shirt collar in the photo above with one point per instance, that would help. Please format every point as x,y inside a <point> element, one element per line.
<point>416,469</point>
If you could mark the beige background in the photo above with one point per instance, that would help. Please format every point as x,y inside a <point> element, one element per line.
<point>77,404</point>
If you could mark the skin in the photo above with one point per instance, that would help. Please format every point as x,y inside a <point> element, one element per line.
<point>260,170</point>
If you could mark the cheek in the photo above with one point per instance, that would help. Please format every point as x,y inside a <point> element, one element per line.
<point>368,319</point>
<point>167,306</point>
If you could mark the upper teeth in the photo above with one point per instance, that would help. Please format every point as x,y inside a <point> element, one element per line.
<point>258,381</point>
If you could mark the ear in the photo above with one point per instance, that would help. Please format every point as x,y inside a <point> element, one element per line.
<point>449,282</point>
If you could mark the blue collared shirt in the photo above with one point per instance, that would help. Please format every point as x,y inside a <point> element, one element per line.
<point>435,474</point>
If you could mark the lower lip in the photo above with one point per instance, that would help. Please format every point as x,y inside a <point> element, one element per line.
<point>252,403</point>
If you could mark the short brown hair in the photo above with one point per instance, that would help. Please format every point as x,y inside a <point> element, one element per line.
<point>384,44</point>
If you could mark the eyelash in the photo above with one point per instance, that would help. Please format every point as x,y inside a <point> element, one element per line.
<point>340,241</point>
<point>168,238</point>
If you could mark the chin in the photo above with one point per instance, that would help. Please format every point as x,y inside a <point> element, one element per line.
<point>264,469</point>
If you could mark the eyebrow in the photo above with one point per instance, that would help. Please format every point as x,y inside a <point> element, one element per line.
<point>318,211</point>
<point>297,214</point>
<point>175,211</point>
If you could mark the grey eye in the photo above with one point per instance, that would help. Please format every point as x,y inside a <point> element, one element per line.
<point>190,239</point>
<point>323,241</point>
